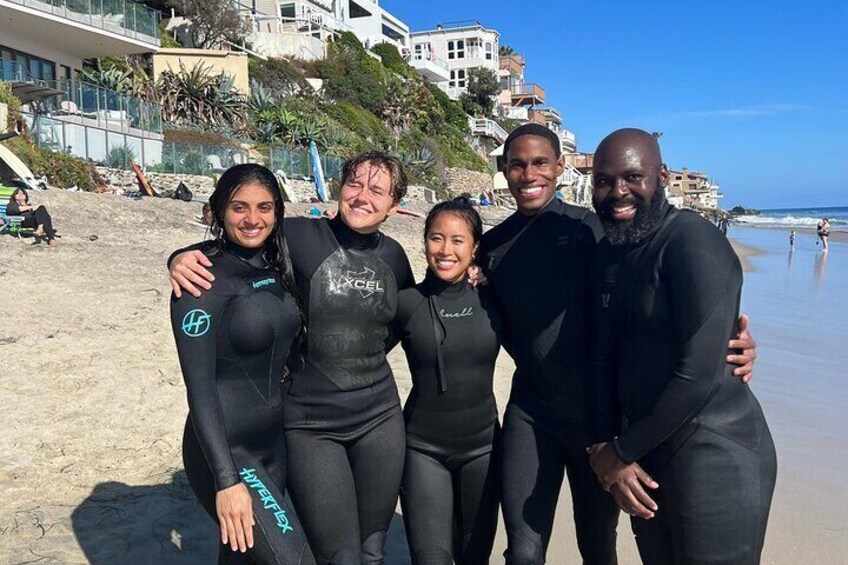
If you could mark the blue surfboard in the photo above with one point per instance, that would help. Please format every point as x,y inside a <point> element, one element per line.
<point>318,173</point>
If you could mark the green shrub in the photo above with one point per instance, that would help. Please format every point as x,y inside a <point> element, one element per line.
<point>167,40</point>
<point>278,75</point>
<point>61,169</point>
<point>392,60</point>
<point>370,130</point>
<point>458,153</point>
<point>454,114</point>
<point>351,75</point>
<point>13,103</point>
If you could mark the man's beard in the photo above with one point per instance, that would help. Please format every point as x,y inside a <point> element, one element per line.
<point>648,215</point>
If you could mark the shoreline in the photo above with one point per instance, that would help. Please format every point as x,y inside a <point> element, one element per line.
<point>744,252</point>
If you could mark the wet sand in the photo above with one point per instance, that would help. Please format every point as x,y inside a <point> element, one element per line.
<point>94,404</point>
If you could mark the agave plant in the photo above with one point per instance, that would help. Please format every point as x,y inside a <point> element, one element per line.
<point>198,97</point>
<point>119,80</point>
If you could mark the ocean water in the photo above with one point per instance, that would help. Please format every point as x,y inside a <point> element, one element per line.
<point>799,218</point>
<point>799,316</point>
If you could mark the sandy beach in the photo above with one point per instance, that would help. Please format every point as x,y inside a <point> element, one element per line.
<point>94,403</point>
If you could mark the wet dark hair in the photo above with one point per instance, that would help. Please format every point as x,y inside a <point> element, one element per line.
<point>20,191</point>
<point>276,250</point>
<point>382,160</point>
<point>463,208</point>
<point>532,129</point>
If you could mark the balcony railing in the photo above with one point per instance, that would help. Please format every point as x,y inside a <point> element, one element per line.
<point>117,16</point>
<point>549,111</point>
<point>428,56</point>
<point>513,63</point>
<point>528,90</point>
<point>488,128</point>
<point>79,101</point>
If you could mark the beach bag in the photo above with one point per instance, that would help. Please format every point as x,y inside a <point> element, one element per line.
<point>182,193</point>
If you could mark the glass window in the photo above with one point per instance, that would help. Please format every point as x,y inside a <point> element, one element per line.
<point>489,50</point>
<point>287,10</point>
<point>460,78</point>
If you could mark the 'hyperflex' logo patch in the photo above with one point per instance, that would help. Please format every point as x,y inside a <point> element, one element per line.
<point>196,323</point>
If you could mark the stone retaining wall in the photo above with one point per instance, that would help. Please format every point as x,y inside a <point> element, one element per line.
<point>201,186</point>
<point>462,180</point>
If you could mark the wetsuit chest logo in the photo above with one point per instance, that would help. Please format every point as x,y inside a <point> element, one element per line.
<point>362,282</point>
<point>466,312</point>
<point>196,323</point>
<point>264,282</point>
<point>605,299</point>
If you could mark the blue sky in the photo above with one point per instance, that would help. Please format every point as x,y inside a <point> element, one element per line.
<point>754,93</point>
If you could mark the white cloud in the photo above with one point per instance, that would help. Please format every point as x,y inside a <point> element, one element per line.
<point>743,111</point>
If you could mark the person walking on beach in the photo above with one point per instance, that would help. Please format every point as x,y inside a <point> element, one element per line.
<point>343,426</point>
<point>232,343</point>
<point>823,232</point>
<point>685,449</point>
<point>792,240</point>
<point>540,264</point>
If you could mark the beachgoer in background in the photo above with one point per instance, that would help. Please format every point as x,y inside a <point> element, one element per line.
<point>685,448</point>
<point>540,264</point>
<point>343,425</point>
<point>37,218</point>
<point>233,343</point>
<point>206,215</point>
<point>792,240</point>
<point>823,231</point>
<point>451,333</point>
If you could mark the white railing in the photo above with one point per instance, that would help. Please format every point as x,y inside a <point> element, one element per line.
<point>488,128</point>
<point>428,56</point>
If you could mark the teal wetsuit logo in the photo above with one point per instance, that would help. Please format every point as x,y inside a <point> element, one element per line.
<point>268,501</point>
<point>196,323</point>
<point>264,282</point>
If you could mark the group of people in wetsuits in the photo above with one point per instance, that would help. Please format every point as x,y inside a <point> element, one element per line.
<point>296,443</point>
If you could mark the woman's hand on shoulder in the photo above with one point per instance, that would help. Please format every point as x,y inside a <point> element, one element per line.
<point>188,271</point>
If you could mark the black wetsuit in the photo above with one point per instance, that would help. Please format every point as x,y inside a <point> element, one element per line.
<point>344,428</point>
<point>451,334</point>
<point>232,343</point>
<point>541,268</point>
<point>667,307</point>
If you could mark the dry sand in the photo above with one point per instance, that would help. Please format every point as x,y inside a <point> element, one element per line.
<point>94,404</point>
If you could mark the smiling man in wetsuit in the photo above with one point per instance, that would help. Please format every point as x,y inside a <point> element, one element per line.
<point>688,451</point>
<point>540,263</point>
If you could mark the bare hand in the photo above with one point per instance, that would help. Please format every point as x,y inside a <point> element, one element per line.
<point>188,272</point>
<point>746,347</point>
<point>235,515</point>
<point>623,481</point>
<point>475,276</point>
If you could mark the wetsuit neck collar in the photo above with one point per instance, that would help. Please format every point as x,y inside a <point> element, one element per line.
<point>551,205</point>
<point>351,239</point>
<point>437,287</point>
<point>255,256</point>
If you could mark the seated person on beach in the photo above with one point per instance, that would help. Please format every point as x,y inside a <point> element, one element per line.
<point>37,218</point>
<point>685,448</point>
<point>233,343</point>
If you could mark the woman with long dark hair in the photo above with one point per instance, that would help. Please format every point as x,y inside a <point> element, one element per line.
<point>233,344</point>
<point>343,425</point>
<point>35,217</point>
<point>451,333</point>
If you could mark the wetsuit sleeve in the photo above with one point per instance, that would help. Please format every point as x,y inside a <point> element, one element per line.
<point>199,246</point>
<point>195,324</point>
<point>704,281</point>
